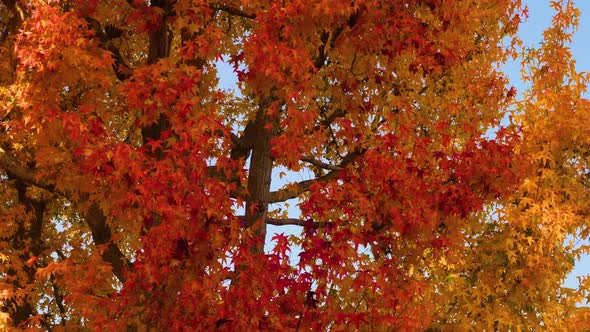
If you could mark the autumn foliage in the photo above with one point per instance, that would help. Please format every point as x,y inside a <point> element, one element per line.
<point>137,191</point>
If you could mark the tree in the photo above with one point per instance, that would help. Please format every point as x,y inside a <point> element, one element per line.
<point>517,261</point>
<point>137,192</point>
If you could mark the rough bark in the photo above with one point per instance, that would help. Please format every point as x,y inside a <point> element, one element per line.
<point>259,178</point>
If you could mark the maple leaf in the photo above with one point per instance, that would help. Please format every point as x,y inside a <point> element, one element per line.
<point>136,192</point>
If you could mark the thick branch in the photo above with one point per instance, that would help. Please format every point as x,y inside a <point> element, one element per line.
<point>298,188</point>
<point>106,35</point>
<point>27,240</point>
<point>321,164</point>
<point>243,144</point>
<point>160,38</point>
<point>135,4</point>
<point>14,20</point>
<point>322,55</point>
<point>232,10</point>
<point>338,113</point>
<point>326,40</point>
<point>59,301</point>
<point>16,170</point>
<point>101,234</point>
<point>285,221</point>
<point>159,47</point>
<point>95,218</point>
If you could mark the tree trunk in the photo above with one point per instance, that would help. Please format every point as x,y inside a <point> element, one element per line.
<point>259,178</point>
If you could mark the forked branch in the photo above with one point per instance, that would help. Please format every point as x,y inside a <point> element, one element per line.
<point>95,217</point>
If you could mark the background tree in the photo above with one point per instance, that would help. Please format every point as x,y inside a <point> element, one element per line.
<point>515,263</point>
<point>137,192</point>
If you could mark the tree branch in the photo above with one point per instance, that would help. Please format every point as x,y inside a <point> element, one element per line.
<point>27,241</point>
<point>298,188</point>
<point>320,60</point>
<point>295,222</point>
<point>132,3</point>
<point>101,234</point>
<point>58,300</point>
<point>283,222</point>
<point>95,218</point>
<point>106,35</point>
<point>325,38</point>
<point>328,120</point>
<point>14,20</point>
<point>161,38</point>
<point>243,144</point>
<point>232,10</point>
<point>15,169</point>
<point>321,164</point>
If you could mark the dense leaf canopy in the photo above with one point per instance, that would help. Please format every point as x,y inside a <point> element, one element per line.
<point>136,192</point>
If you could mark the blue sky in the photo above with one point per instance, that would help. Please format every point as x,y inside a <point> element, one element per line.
<point>540,15</point>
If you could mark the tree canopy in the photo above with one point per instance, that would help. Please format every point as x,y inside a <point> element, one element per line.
<point>136,192</point>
